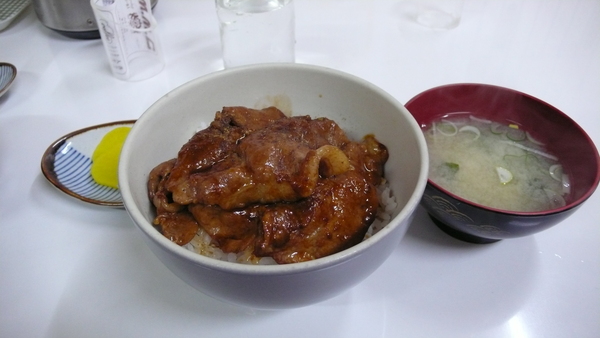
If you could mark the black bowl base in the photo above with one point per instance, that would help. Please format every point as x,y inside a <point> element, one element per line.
<point>83,35</point>
<point>461,235</point>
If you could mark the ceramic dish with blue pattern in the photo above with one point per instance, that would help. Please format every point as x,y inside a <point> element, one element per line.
<point>8,73</point>
<point>67,165</point>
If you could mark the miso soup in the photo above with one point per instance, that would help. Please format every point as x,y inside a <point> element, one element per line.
<point>494,163</point>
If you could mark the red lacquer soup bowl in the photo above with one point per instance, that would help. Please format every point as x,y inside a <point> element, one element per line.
<point>544,123</point>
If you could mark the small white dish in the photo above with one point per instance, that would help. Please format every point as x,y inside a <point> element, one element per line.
<point>8,72</point>
<point>67,163</point>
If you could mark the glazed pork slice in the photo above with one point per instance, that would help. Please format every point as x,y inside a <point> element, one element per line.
<point>280,162</point>
<point>206,149</point>
<point>232,231</point>
<point>336,216</point>
<point>290,188</point>
<point>217,142</point>
<point>171,219</point>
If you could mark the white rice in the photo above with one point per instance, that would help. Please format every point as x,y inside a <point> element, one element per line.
<point>202,242</point>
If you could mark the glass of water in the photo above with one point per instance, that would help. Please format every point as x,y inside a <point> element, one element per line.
<point>256,31</point>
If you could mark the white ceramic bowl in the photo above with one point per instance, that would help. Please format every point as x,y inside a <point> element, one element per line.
<point>359,108</point>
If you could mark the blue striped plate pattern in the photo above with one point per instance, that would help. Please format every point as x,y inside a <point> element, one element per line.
<point>72,169</point>
<point>8,73</point>
<point>68,161</point>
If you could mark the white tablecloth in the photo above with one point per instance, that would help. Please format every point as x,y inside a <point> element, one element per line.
<point>69,269</point>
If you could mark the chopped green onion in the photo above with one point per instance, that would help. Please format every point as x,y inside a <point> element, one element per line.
<point>447,170</point>
<point>497,128</point>
<point>471,129</point>
<point>556,172</point>
<point>556,200</point>
<point>535,151</point>
<point>447,128</point>
<point>528,159</point>
<point>516,134</point>
<point>452,166</point>
<point>510,158</point>
<point>566,184</point>
<point>532,160</point>
<point>504,175</point>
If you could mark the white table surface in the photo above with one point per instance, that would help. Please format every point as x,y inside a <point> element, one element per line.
<point>69,269</point>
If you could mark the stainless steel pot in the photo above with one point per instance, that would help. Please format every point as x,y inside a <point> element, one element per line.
<point>72,18</point>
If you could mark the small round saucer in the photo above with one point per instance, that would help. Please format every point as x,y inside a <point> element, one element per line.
<point>8,73</point>
<point>67,163</point>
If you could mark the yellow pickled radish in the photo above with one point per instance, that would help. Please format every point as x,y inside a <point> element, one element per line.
<point>105,160</point>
